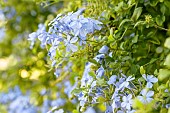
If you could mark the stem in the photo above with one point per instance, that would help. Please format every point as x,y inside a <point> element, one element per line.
<point>123,34</point>
<point>156,26</point>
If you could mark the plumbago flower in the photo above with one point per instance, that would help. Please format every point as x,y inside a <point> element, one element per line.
<point>146,96</point>
<point>65,29</point>
<point>100,72</point>
<point>69,43</point>
<point>17,102</point>
<point>127,102</point>
<point>150,79</point>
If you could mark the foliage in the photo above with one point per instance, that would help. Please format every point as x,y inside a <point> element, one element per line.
<point>105,56</point>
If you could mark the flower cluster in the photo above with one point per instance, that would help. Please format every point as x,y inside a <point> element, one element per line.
<point>65,29</point>
<point>146,93</point>
<point>100,81</point>
<point>95,85</point>
<point>17,102</point>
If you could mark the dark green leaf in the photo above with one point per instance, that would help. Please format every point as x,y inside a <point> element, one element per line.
<point>137,12</point>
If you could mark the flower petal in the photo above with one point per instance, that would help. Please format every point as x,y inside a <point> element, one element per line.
<point>73,47</point>
<point>149,85</point>
<point>144,76</point>
<point>74,40</point>
<point>149,100</point>
<point>150,94</point>
<point>154,80</point>
<point>143,92</point>
<point>123,104</point>
<point>104,49</point>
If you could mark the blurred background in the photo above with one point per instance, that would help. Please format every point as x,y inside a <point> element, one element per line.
<point>27,81</point>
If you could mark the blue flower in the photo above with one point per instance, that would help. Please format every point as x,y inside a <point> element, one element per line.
<point>2,32</point>
<point>99,58</point>
<point>58,103</point>
<point>52,52</point>
<point>104,49</point>
<point>32,38</point>
<point>125,84</point>
<point>90,110</point>
<point>109,109</point>
<point>57,72</point>
<point>127,102</point>
<point>167,106</point>
<point>82,98</point>
<point>112,79</point>
<point>150,80</point>
<point>78,27</point>
<point>87,79</point>
<point>100,72</point>
<point>146,96</point>
<point>70,43</point>
<point>43,37</point>
<point>93,25</point>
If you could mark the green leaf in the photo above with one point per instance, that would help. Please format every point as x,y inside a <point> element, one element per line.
<point>91,73</point>
<point>163,8</point>
<point>139,23</point>
<point>135,39</point>
<point>154,2</point>
<point>124,21</point>
<point>155,41</point>
<point>75,111</point>
<point>110,38</point>
<point>76,91</point>
<point>142,70</point>
<point>167,60</point>
<point>160,20</point>
<point>164,74</point>
<point>136,13</point>
<point>100,81</point>
<point>93,61</point>
<point>134,69</point>
<point>167,43</point>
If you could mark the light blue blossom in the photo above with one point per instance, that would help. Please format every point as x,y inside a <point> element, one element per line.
<point>57,72</point>
<point>167,106</point>
<point>99,58</point>
<point>100,72</point>
<point>131,111</point>
<point>70,43</point>
<point>116,99</point>
<point>33,36</point>
<point>150,80</point>
<point>58,102</point>
<point>26,107</point>
<point>110,54</point>
<point>146,96</point>
<point>90,110</point>
<point>78,28</point>
<point>112,79</point>
<point>52,52</point>
<point>86,79</point>
<point>109,109</point>
<point>104,49</point>
<point>93,25</point>
<point>125,84</point>
<point>82,98</point>
<point>43,37</point>
<point>59,111</point>
<point>127,102</point>
<point>2,33</point>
